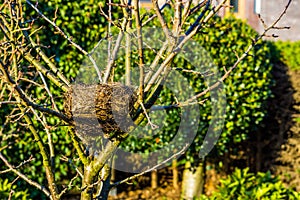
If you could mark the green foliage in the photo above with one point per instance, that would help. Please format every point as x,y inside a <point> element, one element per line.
<point>8,189</point>
<point>287,52</point>
<point>243,185</point>
<point>247,88</point>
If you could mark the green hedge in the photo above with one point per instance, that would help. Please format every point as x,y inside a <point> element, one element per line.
<point>248,86</point>
<point>287,52</point>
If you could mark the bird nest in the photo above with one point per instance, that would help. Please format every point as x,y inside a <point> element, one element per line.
<point>101,108</point>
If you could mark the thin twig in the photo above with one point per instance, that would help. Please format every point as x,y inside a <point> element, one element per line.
<point>19,166</point>
<point>115,52</point>
<point>197,22</point>
<point>70,185</point>
<point>69,39</point>
<point>48,91</point>
<point>153,126</point>
<point>25,178</point>
<point>140,49</point>
<point>155,15</point>
<point>241,58</point>
<point>11,187</point>
<point>162,21</point>
<point>151,169</point>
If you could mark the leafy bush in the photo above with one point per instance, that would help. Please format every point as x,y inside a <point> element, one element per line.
<point>247,88</point>
<point>8,190</point>
<point>287,52</point>
<point>243,185</point>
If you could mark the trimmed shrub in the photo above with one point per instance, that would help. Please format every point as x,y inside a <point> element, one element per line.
<point>243,185</point>
<point>287,52</point>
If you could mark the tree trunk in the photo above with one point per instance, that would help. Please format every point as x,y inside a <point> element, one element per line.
<point>154,179</point>
<point>113,191</point>
<point>193,180</point>
<point>101,190</point>
<point>175,174</point>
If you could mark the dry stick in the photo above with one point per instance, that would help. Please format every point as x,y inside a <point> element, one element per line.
<point>48,91</point>
<point>69,40</point>
<point>177,105</point>
<point>32,82</point>
<point>152,168</point>
<point>11,187</point>
<point>25,178</point>
<point>153,16</point>
<point>8,102</point>
<point>186,10</point>
<point>177,18</point>
<point>162,21</point>
<point>32,60</point>
<point>153,126</point>
<point>26,100</point>
<point>110,19</point>
<point>159,72</point>
<point>70,185</point>
<point>115,52</point>
<point>128,60</point>
<point>123,5</point>
<point>109,33</point>
<point>242,57</point>
<point>49,137</point>
<point>197,22</point>
<point>180,45</point>
<point>19,166</point>
<point>204,74</point>
<point>45,71</point>
<point>197,7</point>
<point>140,49</point>
<point>156,60</point>
<point>69,160</point>
<point>127,14</point>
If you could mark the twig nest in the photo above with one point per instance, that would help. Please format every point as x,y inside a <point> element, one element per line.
<point>101,108</point>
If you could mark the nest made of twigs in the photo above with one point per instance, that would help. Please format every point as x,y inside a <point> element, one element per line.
<point>105,106</point>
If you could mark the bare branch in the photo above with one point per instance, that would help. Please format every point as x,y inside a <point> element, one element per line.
<point>242,57</point>
<point>19,166</point>
<point>151,169</point>
<point>163,23</point>
<point>69,39</point>
<point>140,49</point>
<point>25,178</point>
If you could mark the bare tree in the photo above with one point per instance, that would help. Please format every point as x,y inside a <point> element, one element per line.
<point>117,108</point>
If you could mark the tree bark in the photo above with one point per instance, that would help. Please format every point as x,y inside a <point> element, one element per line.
<point>193,180</point>
<point>175,174</point>
<point>154,179</point>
